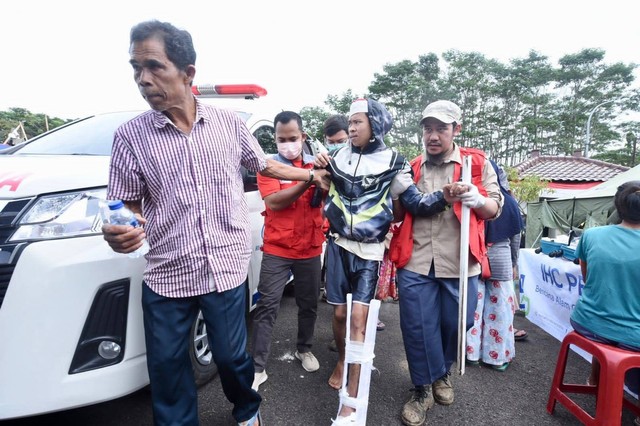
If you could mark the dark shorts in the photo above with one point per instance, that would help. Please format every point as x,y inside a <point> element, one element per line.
<point>348,273</point>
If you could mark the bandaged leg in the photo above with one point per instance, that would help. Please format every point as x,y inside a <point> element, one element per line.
<point>358,354</point>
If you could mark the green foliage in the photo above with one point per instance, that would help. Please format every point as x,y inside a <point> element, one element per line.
<point>340,104</point>
<point>406,88</point>
<point>34,124</point>
<point>409,151</point>
<point>313,119</point>
<point>510,109</point>
<point>528,188</point>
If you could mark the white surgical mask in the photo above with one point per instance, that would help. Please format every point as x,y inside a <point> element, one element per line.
<point>290,150</point>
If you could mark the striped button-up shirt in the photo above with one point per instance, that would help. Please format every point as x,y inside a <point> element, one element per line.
<point>192,196</point>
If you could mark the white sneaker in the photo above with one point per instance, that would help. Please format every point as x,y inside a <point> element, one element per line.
<point>258,379</point>
<point>309,362</point>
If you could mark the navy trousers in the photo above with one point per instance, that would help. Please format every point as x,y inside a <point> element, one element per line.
<point>429,322</point>
<point>167,324</point>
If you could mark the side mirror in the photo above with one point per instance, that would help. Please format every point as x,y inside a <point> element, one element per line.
<point>249,179</point>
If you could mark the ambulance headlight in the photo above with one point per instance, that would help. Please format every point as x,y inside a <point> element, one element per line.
<point>71,214</point>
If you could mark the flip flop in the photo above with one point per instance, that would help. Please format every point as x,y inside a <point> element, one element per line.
<point>519,334</point>
<point>502,368</point>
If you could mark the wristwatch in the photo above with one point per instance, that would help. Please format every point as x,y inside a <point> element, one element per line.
<point>311,175</point>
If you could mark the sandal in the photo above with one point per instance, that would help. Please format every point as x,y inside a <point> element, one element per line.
<point>519,334</point>
<point>473,361</point>
<point>502,368</point>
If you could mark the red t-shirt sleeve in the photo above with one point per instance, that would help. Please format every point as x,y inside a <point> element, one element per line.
<point>267,185</point>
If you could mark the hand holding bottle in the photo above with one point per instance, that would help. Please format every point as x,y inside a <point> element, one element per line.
<point>123,232</point>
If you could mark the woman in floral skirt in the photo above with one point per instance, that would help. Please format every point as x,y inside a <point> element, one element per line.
<point>491,339</point>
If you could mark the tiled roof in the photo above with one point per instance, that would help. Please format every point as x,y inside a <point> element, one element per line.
<point>568,168</point>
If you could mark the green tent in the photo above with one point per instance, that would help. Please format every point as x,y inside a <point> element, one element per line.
<point>591,207</point>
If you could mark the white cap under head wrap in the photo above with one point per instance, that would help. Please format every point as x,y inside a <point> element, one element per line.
<point>359,105</point>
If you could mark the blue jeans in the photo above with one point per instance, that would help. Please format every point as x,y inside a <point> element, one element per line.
<point>167,325</point>
<point>429,322</point>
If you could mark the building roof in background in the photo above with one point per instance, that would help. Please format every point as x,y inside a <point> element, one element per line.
<point>570,169</point>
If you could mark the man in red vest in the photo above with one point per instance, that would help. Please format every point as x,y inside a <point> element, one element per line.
<point>293,238</point>
<point>427,253</point>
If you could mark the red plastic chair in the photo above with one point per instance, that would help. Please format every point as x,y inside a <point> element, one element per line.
<point>609,391</point>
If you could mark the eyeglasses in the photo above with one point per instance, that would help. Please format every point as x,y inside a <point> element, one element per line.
<point>330,142</point>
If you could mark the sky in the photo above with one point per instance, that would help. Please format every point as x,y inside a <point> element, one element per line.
<point>69,59</point>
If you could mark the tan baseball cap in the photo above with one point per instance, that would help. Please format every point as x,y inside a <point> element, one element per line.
<point>445,111</point>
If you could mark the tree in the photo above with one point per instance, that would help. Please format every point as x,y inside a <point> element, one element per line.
<point>586,82</point>
<point>314,118</point>
<point>340,104</point>
<point>406,88</point>
<point>34,124</point>
<point>525,117</point>
<point>525,189</point>
<point>627,154</point>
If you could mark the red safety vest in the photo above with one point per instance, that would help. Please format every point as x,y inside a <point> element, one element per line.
<point>401,247</point>
<point>296,232</point>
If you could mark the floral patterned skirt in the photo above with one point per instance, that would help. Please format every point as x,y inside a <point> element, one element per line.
<point>491,340</point>
<point>387,289</point>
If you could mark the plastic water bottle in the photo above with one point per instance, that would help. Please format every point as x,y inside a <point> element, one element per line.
<point>120,215</point>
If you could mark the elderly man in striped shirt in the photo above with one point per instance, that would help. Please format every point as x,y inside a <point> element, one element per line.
<point>177,167</point>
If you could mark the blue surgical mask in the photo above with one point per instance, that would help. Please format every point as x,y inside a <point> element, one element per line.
<point>332,148</point>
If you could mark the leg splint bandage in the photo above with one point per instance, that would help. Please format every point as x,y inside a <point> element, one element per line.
<point>360,353</point>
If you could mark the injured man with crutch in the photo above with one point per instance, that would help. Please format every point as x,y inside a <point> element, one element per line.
<point>367,178</point>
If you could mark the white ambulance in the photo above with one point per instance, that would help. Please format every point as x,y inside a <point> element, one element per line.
<point>71,330</point>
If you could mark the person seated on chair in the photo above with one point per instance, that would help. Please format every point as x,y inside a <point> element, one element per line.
<point>609,309</point>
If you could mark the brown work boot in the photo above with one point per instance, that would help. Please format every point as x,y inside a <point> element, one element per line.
<point>443,390</point>
<point>414,412</point>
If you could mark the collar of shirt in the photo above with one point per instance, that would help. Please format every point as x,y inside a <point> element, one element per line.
<point>306,159</point>
<point>160,119</point>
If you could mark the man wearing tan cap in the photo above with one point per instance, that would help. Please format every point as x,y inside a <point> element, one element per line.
<point>426,250</point>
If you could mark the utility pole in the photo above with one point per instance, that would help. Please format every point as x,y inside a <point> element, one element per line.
<point>588,132</point>
<point>631,140</point>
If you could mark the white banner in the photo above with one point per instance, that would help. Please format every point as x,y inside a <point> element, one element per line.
<point>549,290</point>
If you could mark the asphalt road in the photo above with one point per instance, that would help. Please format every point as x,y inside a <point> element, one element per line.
<point>292,396</point>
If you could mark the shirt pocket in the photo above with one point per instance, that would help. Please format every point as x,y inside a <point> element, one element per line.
<point>281,232</point>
